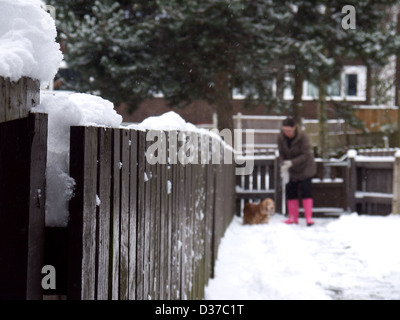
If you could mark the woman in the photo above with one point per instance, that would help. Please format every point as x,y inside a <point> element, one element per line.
<point>297,161</point>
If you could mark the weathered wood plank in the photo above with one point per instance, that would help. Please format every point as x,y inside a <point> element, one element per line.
<point>23,149</point>
<point>15,106</point>
<point>140,265</point>
<point>152,231</point>
<point>218,209</point>
<point>186,239</point>
<point>4,98</point>
<point>196,231</point>
<point>133,207</point>
<point>175,224</point>
<point>192,250</point>
<point>17,98</point>
<point>82,224</point>
<point>202,181</point>
<point>103,212</point>
<point>115,212</point>
<point>158,254</point>
<point>75,237</point>
<point>210,220</point>
<point>124,222</point>
<point>181,225</point>
<point>38,125</point>
<point>164,231</point>
<point>147,226</point>
<point>169,213</point>
<point>89,232</point>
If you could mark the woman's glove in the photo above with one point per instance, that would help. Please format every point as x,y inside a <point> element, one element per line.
<point>285,171</point>
<point>286,165</point>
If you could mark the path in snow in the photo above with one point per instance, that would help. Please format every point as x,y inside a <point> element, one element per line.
<point>354,257</point>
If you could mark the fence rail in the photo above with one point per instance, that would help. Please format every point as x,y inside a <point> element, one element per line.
<point>363,182</point>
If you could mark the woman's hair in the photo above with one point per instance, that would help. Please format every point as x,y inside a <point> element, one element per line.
<point>289,122</point>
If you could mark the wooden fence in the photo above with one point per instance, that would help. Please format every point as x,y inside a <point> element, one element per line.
<point>262,183</point>
<point>375,175</point>
<point>136,231</point>
<point>139,230</point>
<point>363,182</point>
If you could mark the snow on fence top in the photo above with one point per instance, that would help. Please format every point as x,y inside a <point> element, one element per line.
<point>66,110</point>
<point>171,121</point>
<point>27,41</point>
<point>168,121</point>
<point>76,109</point>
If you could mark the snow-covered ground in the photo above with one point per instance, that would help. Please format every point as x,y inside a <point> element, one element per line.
<point>353,257</point>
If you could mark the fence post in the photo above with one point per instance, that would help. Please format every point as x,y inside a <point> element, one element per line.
<point>17,98</point>
<point>239,120</point>
<point>23,155</point>
<point>23,150</point>
<point>278,187</point>
<point>396,184</point>
<point>352,180</point>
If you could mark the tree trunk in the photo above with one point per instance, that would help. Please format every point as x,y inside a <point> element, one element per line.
<point>280,87</point>
<point>397,87</point>
<point>297,103</point>
<point>369,85</point>
<point>322,120</point>
<point>223,102</point>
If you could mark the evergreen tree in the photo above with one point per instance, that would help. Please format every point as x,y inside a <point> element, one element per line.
<point>186,50</point>
<point>104,44</point>
<point>128,50</point>
<point>317,46</point>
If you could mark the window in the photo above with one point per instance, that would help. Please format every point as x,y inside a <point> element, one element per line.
<point>351,84</point>
<point>312,89</point>
<point>333,89</point>
<point>354,83</point>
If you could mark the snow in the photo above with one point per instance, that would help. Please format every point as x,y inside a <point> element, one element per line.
<point>98,201</point>
<point>27,41</point>
<point>168,121</point>
<point>375,107</point>
<point>364,194</point>
<point>374,158</point>
<point>353,257</point>
<point>171,121</point>
<point>65,110</point>
<point>352,153</point>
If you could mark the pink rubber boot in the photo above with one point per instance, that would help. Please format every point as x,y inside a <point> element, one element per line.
<point>293,209</point>
<point>308,207</point>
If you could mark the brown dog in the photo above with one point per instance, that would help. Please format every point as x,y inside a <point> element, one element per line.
<point>256,213</point>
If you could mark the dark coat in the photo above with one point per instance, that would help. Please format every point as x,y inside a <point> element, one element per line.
<point>301,155</point>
